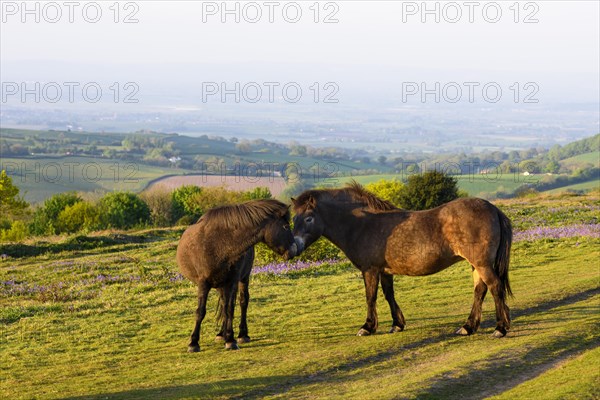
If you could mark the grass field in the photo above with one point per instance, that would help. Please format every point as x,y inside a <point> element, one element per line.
<point>584,186</point>
<point>107,316</point>
<point>40,178</point>
<point>592,158</point>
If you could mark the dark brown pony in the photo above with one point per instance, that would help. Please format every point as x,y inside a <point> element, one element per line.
<point>218,252</point>
<point>382,240</point>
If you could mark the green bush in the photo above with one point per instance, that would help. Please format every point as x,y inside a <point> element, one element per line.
<point>428,190</point>
<point>322,249</point>
<point>387,190</point>
<point>80,216</point>
<point>123,210</point>
<point>257,194</point>
<point>211,197</point>
<point>182,204</point>
<point>45,218</point>
<point>17,232</point>
<point>186,220</point>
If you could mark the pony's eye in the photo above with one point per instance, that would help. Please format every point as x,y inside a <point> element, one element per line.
<point>286,227</point>
<point>308,220</point>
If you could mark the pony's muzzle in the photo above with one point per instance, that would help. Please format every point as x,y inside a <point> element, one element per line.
<point>292,252</point>
<point>299,244</point>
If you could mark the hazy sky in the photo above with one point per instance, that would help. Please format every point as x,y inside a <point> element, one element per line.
<point>373,42</point>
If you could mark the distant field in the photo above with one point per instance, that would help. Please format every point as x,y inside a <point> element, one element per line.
<point>589,185</point>
<point>275,184</point>
<point>582,159</point>
<point>40,178</point>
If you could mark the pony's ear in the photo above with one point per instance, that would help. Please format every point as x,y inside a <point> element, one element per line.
<point>293,201</point>
<point>311,203</point>
<point>285,211</point>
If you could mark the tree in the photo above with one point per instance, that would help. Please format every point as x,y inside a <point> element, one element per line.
<point>123,210</point>
<point>243,147</point>
<point>428,190</point>
<point>11,204</point>
<point>552,167</point>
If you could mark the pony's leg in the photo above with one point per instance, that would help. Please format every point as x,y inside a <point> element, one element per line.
<point>244,298</point>
<point>480,289</point>
<point>230,292</point>
<point>495,286</point>
<point>371,278</point>
<point>222,301</point>
<point>387,284</point>
<point>203,289</point>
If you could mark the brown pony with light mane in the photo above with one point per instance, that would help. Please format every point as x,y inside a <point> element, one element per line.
<point>382,240</point>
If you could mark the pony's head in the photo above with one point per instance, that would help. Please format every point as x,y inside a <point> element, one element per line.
<point>308,223</point>
<point>278,235</point>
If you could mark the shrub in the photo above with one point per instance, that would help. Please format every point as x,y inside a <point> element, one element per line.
<point>186,220</point>
<point>80,216</point>
<point>322,249</point>
<point>45,218</point>
<point>123,210</point>
<point>428,190</point>
<point>258,193</point>
<point>211,197</point>
<point>387,190</point>
<point>160,203</point>
<point>181,198</point>
<point>17,232</point>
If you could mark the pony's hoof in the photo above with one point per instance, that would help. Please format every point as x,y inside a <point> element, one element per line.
<point>243,339</point>
<point>231,346</point>
<point>219,338</point>
<point>463,331</point>
<point>396,329</point>
<point>499,333</point>
<point>193,348</point>
<point>363,332</point>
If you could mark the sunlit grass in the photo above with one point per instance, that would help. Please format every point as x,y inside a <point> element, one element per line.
<point>114,321</point>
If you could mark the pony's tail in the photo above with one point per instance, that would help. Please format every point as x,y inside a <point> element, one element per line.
<point>503,254</point>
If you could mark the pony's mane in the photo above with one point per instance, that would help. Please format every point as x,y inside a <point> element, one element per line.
<point>354,192</point>
<point>245,215</point>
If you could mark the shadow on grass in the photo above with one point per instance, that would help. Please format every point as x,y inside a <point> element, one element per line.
<point>74,243</point>
<point>492,376</point>
<point>224,388</point>
<point>495,376</point>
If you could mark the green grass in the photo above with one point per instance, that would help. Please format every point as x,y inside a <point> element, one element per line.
<point>126,337</point>
<point>583,159</point>
<point>563,380</point>
<point>584,186</point>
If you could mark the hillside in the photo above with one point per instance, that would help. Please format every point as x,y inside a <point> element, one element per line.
<point>582,160</point>
<point>107,316</point>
